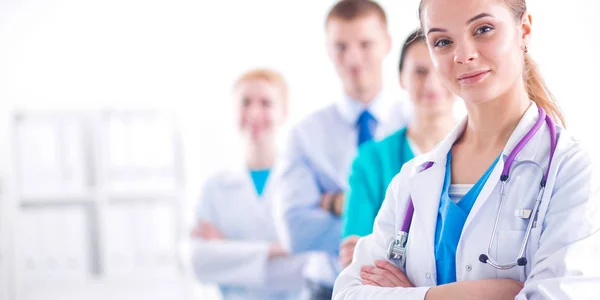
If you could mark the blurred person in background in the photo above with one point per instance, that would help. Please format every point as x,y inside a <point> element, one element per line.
<point>378,162</point>
<point>234,243</point>
<point>313,172</point>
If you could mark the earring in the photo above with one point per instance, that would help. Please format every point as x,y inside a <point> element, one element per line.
<point>525,50</point>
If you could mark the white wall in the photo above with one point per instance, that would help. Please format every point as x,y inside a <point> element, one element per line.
<point>183,55</point>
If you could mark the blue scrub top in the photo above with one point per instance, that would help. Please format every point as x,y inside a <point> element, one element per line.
<point>451,219</point>
<point>259,178</point>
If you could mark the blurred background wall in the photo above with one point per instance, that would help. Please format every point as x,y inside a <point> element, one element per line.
<point>113,112</point>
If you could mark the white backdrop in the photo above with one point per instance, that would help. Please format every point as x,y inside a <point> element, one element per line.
<point>182,55</point>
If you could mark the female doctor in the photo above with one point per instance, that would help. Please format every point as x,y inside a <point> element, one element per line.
<point>235,244</point>
<point>505,207</point>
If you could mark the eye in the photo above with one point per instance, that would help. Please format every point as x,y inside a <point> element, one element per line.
<point>266,102</point>
<point>340,47</point>
<point>246,102</point>
<point>365,44</point>
<point>440,43</point>
<point>421,71</point>
<point>483,29</point>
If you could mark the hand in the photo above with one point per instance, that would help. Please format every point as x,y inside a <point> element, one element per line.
<point>384,274</point>
<point>338,204</point>
<point>207,231</point>
<point>326,200</point>
<point>347,249</point>
<point>333,203</point>
<point>275,250</point>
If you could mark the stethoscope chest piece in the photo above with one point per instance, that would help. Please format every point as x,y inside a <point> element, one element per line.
<point>397,248</point>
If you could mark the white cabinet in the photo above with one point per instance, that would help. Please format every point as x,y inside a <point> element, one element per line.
<point>53,243</point>
<point>51,157</point>
<point>99,196</point>
<point>141,154</point>
<point>140,240</point>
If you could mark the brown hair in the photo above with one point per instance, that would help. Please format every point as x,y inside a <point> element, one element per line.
<point>415,37</point>
<point>349,10</point>
<point>269,75</point>
<point>534,83</point>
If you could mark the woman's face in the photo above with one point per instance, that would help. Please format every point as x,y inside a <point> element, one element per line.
<point>476,46</point>
<point>420,80</point>
<point>260,109</point>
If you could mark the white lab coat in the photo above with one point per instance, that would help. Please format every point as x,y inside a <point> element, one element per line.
<point>563,253</point>
<point>240,264</point>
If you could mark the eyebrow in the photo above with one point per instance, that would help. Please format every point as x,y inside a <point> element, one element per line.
<point>436,30</point>
<point>477,17</point>
<point>471,20</point>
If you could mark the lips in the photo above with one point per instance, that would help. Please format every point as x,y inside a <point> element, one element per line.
<point>473,77</point>
<point>431,97</point>
<point>354,71</point>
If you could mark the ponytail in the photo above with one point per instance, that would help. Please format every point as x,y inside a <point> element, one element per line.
<point>538,92</point>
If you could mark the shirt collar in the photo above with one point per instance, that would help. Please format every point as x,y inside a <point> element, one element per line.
<point>380,107</point>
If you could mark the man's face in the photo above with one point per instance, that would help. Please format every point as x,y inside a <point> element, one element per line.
<point>357,48</point>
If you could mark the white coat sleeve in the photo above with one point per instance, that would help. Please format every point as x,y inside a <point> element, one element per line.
<point>228,262</point>
<point>566,264</point>
<point>374,247</point>
<point>244,263</point>
<point>286,273</point>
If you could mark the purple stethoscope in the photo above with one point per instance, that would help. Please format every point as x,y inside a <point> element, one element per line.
<point>397,248</point>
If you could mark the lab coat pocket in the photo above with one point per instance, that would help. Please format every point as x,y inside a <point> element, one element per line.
<point>507,251</point>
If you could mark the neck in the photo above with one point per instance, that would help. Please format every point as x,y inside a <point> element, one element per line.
<point>364,94</point>
<point>426,130</point>
<point>491,123</point>
<point>260,155</point>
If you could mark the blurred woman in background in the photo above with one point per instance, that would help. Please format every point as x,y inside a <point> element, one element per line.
<point>234,242</point>
<point>378,162</point>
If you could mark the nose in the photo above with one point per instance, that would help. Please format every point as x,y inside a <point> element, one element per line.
<point>352,56</point>
<point>253,112</point>
<point>465,53</point>
<point>433,83</point>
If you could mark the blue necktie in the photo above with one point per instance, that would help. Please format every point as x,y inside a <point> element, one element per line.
<point>365,123</point>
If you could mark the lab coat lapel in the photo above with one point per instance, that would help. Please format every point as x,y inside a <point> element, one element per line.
<point>258,207</point>
<point>425,188</point>
<point>242,181</point>
<point>268,186</point>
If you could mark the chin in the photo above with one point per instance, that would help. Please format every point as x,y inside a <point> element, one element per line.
<point>256,137</point>
<point>435,112</point>
<point>260,137</point>
<point>477,96</point>
<point>357,84</point>
<point>481,92</point>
